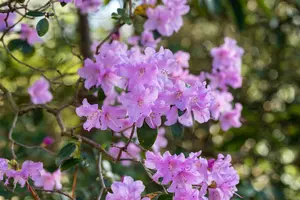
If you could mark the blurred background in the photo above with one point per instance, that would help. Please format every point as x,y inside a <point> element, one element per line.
<point>265,149</point>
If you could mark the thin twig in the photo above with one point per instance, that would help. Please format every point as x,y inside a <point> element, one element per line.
<point>103,187</point>
<point>74,181</point>
<point>55,191</point>
<point>12,147</point>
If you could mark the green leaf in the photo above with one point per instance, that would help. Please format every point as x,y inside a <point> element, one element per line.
<point>15,44</point>
<point>239,13</point>
<point>264,7</point>
<point>177,130</point>
<point>121,11</point>
<point>165,197</point>
<point>42,27</point>
<point>214,6</point>
<point>70,163</point>
<point>38,116</point>
<point>147,136</point>
<point>35,14</point>
<point>18,44</point>
<point>63,4</point>
<point>66,152</point>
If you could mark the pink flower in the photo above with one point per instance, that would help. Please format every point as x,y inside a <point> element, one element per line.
<point>225,177</point>
<point>96,74</point>
<point>128,189</point>
<point>132,152</point>
<point>29,170</point>
<point>231,118</point>
<point>139,102</point>
<point>3,167</point>
<point>49,181</point>
<point>226,65</point>
<point>112,117</point>
<point>221,103</point>
<point>148,40</point>
<point>159,19</point>
<point>48,140</point>
<point>29,34</point>
<point>39,92</point>
<point>9,21</point>
<point>92,114</point>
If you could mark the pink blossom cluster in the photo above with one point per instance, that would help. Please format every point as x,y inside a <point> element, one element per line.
<point>152,87</point>
<point>29,34</point>
<point>127,189</point>
<point>39,92</point>
<point>49,181</point>
<point>194,177</point>
<point>85,6</point>
<point>227,61</point>
<point>166,18</point>
<point>29,170</point>
<point>6,21</point>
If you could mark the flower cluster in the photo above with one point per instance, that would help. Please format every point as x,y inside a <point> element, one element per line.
<point>128,189</point>
<point>151,86</point>
<point>6,21</point>
<point>29,34</point>
<point>39,92</point>
<point>194,177</point>
<point>166,18</point>
<point>49,181</point>
<point>226,72</point>
<point>29,170</point>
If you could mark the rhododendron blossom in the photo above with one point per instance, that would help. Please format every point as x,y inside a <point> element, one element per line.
<point>49,181</point>
<point>128,189</point>
<point>6,21</point>
<point>29,170</point>
<point>194,176</point>
<point>39,92</point>
<point>29,34</point>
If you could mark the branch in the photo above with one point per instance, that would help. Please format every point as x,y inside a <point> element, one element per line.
<point>74,181</point>
<point>12,147</point>
<point>9,98</point>
<point>108,37</point>
<point>54,191</point>
<point>103,187</point>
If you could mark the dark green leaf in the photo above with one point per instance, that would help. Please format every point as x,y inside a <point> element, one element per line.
<point>214,6</point>
<point>180,112</point>
<point>63,4</point>
<point>165,197</point>
<point>147,136</point>
<point>15,44</point>
<point>27,48</point>
<point>38,116</point>
<point>66,152</point>
<point>21,45</point>
<point>177,130</point>
<point>35,14</point>
<point>42,27</point>
<point>121,11</point>
<point>69,163</point>
<point>264,7</point>
<point>239,13</point>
